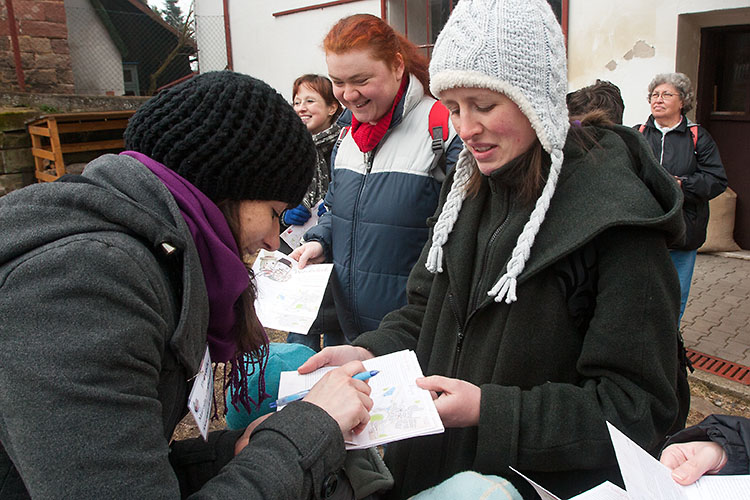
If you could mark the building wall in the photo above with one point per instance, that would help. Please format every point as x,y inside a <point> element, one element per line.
<point>279,49</point>
<point>96,62</point>
<point>43,47</point>
<point>628,43</point>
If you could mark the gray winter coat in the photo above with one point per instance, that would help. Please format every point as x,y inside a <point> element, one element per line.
<point>102,330</point>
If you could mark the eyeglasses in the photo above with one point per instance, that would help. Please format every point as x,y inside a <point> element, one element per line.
<point>664,95</point>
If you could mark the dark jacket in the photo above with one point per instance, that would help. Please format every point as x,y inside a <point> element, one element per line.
<point>592,336</point>
<point>699,168</point>
<point>101,332</point>
<point>378,207</point>
<point>732,433</point>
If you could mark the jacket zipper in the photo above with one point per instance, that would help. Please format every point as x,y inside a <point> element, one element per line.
<point>459,336</point>
<point>449,435</point>
<point>369,158</point>
<point>478,292</point>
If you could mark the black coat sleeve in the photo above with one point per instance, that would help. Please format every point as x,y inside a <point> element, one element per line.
<point>731,432</point>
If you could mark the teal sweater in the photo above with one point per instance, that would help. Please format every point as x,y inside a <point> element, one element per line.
<point>550,379</point>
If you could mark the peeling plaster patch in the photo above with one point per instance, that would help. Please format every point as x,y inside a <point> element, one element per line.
<point>611,65</point>
<point>640,49</point>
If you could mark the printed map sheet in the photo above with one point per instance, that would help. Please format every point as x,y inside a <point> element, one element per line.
<point>401,409</point>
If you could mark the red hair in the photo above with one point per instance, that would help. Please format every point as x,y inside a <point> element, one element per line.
<point>365,31</point>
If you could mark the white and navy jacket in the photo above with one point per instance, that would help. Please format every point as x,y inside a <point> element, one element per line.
<point>378,205</point>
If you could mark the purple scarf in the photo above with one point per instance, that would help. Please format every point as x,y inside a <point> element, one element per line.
<point>224,272</point>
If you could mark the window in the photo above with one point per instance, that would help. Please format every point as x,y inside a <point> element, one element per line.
<point>421,20</point>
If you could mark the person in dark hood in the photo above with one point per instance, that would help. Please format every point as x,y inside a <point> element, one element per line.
<point>116,284</point>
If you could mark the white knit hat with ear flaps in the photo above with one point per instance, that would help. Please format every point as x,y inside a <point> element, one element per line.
<point>514,47</point>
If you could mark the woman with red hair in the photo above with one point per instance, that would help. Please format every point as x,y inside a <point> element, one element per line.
<point>385,177</point>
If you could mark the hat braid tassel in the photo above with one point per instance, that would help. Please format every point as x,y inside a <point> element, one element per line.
<point>449,214</point>
<point>505,288</point>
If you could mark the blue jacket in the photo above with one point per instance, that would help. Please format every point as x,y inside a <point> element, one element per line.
<point>379,203</point>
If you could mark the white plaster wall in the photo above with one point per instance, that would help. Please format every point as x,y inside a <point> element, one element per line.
<point>279,49</point>
<point>601,39</point>
<point>602,34</point>
<point>96,62</point>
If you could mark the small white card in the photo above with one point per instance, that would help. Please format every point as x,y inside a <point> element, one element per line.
<point>292,235</point>
<point>202,395</point>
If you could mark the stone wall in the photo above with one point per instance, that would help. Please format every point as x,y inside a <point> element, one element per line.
<point>43,46</point>
<point>16,162</point>
<point>17,109</point>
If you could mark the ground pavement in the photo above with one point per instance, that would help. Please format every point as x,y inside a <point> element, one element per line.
<point>717,317</point>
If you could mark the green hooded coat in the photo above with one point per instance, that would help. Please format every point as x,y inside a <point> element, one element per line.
<point>592,337</point>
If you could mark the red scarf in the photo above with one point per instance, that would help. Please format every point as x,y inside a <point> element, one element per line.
<point>368,136</point>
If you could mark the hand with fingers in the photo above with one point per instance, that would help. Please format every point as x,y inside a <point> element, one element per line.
<point>309,253</point>
<point>689,461</point>
<point>345,399</point>
<point>297,216</point>
<point>335,356</point>
<point>457,401</point>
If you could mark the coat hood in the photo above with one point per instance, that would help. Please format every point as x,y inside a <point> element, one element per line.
<point>617,182</point>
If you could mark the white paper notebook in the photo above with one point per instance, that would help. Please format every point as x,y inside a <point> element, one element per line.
<point>401,409</point>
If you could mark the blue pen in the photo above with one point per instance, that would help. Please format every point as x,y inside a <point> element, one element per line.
<point>301,394</point>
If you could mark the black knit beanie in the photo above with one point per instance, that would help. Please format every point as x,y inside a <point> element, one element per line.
<point>231,135</point>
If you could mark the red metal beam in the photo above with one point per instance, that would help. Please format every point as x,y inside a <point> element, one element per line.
<point>228,36</point>
<point>383,10</point>
<point>316,6</point>
<point>13,29</point>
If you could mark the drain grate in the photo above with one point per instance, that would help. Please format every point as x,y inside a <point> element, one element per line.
<point>720,367</point>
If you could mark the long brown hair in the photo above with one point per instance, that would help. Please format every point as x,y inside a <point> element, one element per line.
<point>365,31</point>
<point>251,336</point>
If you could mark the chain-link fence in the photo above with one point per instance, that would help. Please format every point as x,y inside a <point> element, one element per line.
<point>117,48</point>
<point>212,49</point>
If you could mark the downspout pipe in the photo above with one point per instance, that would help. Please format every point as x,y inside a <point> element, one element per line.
<point>228,35</point>
<point>13,30</point>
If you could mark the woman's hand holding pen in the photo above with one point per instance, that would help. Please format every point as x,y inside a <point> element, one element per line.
<point>458,401</point>
<point>335,356</point>
<point>344,398</point>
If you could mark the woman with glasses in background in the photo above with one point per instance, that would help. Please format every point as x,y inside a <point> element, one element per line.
<point>690,155</point>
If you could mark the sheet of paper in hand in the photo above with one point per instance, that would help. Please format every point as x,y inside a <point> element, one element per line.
<point>292,235</point>
<point>401,409</point>
<point>288,297</point>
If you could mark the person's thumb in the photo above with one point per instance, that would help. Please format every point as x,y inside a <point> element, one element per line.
<point>688,473</point>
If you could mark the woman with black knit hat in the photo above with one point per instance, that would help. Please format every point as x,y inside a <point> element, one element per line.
<point>116,283</point>
<point>544,302</point>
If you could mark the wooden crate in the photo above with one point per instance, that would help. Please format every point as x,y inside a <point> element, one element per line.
<point>51,138</point>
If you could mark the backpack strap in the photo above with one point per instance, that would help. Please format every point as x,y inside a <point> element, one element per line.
<point>694,131</point>
<point>342,134</point>
<point>438,129</point>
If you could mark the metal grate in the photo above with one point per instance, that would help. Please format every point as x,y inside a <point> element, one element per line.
<point>720,367</point>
